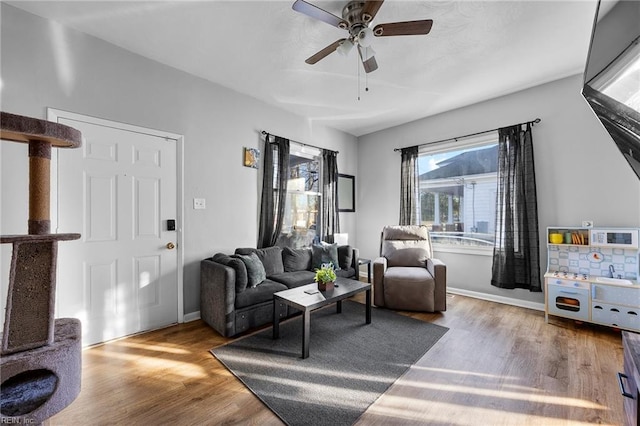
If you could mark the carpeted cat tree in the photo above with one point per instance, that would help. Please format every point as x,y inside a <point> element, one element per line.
<point>40,356</point>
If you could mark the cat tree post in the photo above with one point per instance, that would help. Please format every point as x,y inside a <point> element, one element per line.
<point>39,183</point>
<point>41,356</point>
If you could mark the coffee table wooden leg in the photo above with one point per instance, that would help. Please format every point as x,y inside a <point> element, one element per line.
<point>368,308</point>
<point>339,306</point>
<point>306,331</point>
<point>276,320</point>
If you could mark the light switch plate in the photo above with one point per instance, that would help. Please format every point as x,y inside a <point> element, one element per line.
<point>199,203</point>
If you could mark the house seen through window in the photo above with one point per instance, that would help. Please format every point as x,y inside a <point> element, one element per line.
<point>457,187</point>
<point>303,203</point>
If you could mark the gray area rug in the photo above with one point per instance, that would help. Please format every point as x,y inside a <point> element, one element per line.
<point>350,363</point>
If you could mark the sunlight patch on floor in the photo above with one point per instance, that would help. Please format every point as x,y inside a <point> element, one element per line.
<point>463,373</point>
<point>318,371</point>
<point>343,397</point>
<point>153,347</point>
<point>159,364</point>
<point>528,395</point>
<point>393,407</point>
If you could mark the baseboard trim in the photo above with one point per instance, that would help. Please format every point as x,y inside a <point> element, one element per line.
<point>192,316</point>
<point>499,299</point>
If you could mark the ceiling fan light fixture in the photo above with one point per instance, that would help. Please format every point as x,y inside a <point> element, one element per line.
<point>365,36</point>
<point>345,47</point>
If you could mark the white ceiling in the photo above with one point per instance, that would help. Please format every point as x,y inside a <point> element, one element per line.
<point>476,50</point>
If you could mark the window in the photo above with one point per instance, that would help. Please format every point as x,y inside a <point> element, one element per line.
<point>302,226</point>
<point>457,185</point>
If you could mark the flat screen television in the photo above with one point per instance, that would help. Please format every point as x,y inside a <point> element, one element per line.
<point>612,75</point>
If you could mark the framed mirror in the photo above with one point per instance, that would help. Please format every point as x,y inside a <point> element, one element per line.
<point>346,193</point>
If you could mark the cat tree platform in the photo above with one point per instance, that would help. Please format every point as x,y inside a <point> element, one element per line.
<point>40,355</point>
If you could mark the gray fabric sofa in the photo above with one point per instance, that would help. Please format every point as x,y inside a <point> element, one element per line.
<point>231,306</point>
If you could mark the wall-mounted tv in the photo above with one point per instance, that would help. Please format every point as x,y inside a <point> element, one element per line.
<point>612,74</point>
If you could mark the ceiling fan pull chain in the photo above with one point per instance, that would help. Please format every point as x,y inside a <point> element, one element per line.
<point>358,67</point>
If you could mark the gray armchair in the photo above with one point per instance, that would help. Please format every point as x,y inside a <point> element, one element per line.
<point>406,276</point>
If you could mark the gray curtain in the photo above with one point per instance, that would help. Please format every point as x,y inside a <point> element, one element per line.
<point>330,218</point>
<point>409,198</point>
<point>274,190</point>
<point>516,254</point>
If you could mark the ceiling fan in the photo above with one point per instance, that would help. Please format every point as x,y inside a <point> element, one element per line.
<point>356,19</point>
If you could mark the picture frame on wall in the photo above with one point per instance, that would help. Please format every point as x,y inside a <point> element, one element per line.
<point>251,157</point>
<point>346,193</point>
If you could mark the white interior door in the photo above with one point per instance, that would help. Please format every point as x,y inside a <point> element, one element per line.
<point>118,190</point>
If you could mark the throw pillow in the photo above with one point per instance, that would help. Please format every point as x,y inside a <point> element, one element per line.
<point>271,258</point>
<point>324,253</point>
<point>238,267</point>
<point>345,256</point>
<point>296,259</point>
<point>255,269</point>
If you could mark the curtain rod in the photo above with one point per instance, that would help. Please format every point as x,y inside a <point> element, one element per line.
<point>537,120</point>
<point>264,132</point>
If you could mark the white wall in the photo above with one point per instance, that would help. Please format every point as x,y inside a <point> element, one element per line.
<point>579,170</point>
<point>44,65</point>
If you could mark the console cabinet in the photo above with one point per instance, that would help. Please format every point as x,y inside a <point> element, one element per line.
<point>577,265</point>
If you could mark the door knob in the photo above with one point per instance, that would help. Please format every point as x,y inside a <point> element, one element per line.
<point>170,246</point>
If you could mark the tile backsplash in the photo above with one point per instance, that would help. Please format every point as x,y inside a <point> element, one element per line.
<point>594,261</point>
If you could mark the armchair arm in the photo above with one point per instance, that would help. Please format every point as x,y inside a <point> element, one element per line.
<point>379,269</point>
<point>438,270</point>
<point>218,296</point>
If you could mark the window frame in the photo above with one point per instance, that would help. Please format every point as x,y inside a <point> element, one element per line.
<point>457,144</point>
<point>315,154</point>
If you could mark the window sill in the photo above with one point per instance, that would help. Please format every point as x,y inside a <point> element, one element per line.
<point>474,251</point>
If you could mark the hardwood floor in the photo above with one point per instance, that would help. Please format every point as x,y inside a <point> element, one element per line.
<point>497,365</point>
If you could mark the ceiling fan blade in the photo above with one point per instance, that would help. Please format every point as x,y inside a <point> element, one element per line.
<point>319,14</point>
<point>324,52</point>
<point>370,64</point>
<point>403,28</point>
<point>370,10</point>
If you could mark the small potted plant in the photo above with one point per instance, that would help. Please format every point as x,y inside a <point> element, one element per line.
<point>325,277</point>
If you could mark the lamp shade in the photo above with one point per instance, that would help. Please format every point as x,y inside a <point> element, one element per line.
<point>345,47</point>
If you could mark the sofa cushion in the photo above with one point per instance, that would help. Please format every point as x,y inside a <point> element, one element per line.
<point>345,256</point>
<point>238,266</point>
<point>296,259</point>
<point>324,253</point>
<point>405,232</point>
<point>410,289</point>
<point>294,278</point>
<point>262,293</point>
<point>271,258</point>
<point>406,252</point>
<point>255,270</point>
<point>408,245</point>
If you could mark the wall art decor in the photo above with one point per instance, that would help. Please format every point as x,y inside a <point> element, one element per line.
<point>251,157</point>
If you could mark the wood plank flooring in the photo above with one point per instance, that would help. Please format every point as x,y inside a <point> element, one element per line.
<point>497,365</point>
